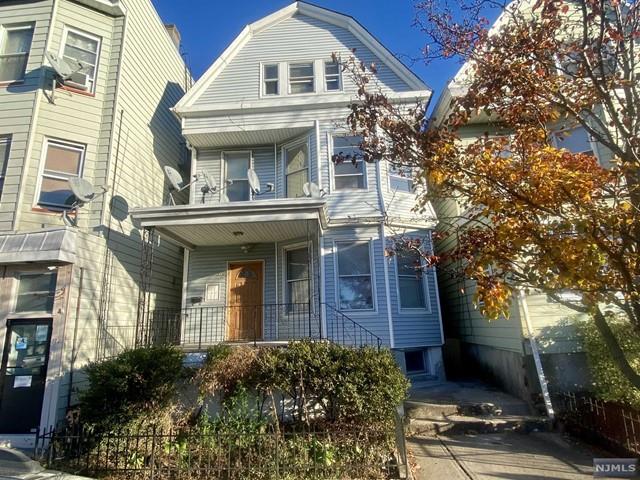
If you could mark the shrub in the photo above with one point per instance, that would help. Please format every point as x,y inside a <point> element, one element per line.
<point>609,383</point>
<point>135,383</point>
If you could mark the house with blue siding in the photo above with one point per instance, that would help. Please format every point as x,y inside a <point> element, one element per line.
<point>283,240</point>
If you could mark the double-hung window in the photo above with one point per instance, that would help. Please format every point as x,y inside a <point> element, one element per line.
<point>348,164</point>
<point>36,292</point>
<point>15,43</point>
<point>410,280</point>
<point>332,76</point>
<point>5,146</point>
<point>355,291</point>
<point>237,165</point>
<point>62,161</point>
<point>82,49</point>
<point>301,77</point>
<point>270,79</point>
<point>296,169</point>
<point>297,290</point>
<point>400,178</point>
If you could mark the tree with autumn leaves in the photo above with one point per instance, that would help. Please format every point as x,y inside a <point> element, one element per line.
<point>536,217</point>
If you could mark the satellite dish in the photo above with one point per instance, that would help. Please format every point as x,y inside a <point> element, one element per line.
<point>82,189</point>
<point>312,190</point>
<point>254,181</point>
<point>176,181</point>
<point>174,177</point>
<point>209,184</point>
<point>63,68</point>
<point>84,193</point>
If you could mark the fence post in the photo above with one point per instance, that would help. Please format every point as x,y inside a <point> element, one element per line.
<point>153,453</point>
<point>200,334</point>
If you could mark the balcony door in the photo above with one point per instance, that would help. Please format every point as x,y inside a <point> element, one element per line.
<point>245,301</point>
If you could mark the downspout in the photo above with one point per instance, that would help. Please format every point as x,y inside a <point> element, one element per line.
<point>536,356</point>
<point>383,241</point>
<point>316,125</point>
<point>75,339</point>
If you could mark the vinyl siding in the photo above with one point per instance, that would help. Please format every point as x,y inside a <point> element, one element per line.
<point>17,101</point>
<point>420,327</point>
<point>376,320</point>
<point>298,38</point>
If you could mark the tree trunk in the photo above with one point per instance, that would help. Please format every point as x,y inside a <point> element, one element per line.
<point>617,355</point>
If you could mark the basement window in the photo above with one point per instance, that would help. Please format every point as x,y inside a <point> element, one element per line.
<point>414,361</point>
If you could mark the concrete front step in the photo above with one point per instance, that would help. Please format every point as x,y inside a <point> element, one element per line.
<point>418,410</point>
<point>461,424</point>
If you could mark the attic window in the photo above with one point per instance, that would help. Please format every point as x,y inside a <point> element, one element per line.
<point>270,76</point>
<point>332,76</point>
<point>301,78</point>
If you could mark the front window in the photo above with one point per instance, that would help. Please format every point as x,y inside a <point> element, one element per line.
<point>576,141</point>
<point>332,76</point>
<point>297,276</point>
<point>354,276</point>
<point>296,170</point>
<point>301,77</point>
<point>15,43</point>
<point>36,292</point>
<point>348,164</point>
<point>5,144</point>
<point>270,76</point>
<point>400,178</point>
<point>62,161</point>
<point>410,280</point>
<point>237,165</point>
<point>83,49</point>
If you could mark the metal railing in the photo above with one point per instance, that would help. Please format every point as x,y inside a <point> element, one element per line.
<point>197,328</point>
<point>344,331</point>
<point>616,426</point>
<point>158,454</point>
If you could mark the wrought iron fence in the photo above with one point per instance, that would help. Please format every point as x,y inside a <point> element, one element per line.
<point>157,454</point>
<point>616,426</point>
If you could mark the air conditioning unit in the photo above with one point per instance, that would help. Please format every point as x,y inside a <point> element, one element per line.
<point>78,80</point>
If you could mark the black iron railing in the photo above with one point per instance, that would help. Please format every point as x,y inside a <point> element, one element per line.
<point>196,328</point>
<point>343,330</point>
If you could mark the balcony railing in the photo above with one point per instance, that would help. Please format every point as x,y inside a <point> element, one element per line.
<point>197,328</point>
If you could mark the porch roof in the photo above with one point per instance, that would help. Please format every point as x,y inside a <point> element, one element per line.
<point>242,134</point>
<point>234,223</point>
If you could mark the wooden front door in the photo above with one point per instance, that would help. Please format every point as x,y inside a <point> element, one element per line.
<point>244,300</point>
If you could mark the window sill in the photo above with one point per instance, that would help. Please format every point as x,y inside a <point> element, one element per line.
<point>76,90</point>
<point>50,211</point>
<point>414,311</point>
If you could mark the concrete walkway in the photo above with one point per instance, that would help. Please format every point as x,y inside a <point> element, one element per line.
<point>509,455</point>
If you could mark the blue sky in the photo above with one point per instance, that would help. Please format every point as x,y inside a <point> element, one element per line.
<point>208,26</point>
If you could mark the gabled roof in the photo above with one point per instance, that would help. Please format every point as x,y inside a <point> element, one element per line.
<point>303,8</point>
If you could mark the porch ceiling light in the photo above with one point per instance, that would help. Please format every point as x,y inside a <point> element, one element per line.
<point>238,234</point>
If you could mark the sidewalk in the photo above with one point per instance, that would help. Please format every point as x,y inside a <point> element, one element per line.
<point>510,455</point>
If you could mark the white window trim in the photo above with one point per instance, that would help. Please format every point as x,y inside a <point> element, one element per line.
<point>425,291</point>
<point>592,143</point>
<point>324,77</point>
<point>332,173</point>
<point>98,39</point>
<point>34,313</point>
<point>4,139</point>
<point>263,93</point>
<point>17,26</point>
<point>62,176</point>
<point>314,75</point>
<point>336,268</point>
<point>223,172</point>
<point>283,161</point>
<point>284,280</point>
<point>411,192</point>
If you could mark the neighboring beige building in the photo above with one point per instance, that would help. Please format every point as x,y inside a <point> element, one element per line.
<point>500,350</point>
<point>65,288</point>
